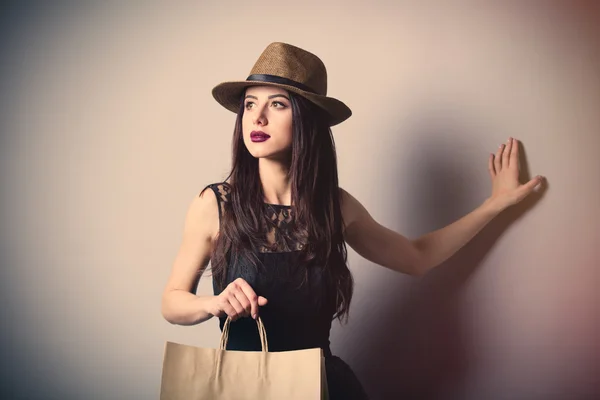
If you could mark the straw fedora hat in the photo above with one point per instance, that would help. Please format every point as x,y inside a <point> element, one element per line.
<point>290,68</point>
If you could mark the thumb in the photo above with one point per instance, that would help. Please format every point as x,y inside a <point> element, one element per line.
<point>262,301</point>
<point>534,184</point>
<point>526,189</point>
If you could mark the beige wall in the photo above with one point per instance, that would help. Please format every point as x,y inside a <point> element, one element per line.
<point>109,130</point>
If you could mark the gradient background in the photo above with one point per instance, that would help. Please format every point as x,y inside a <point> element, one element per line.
<point>109,130</point>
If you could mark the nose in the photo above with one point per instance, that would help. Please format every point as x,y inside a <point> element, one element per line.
<point>259,117</point>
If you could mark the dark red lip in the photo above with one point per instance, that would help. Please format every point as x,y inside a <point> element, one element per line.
<point>258,136</point>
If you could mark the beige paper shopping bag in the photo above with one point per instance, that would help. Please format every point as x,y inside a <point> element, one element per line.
<point>194,373</point>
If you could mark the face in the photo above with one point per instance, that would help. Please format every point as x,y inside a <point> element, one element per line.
<point>267,122</point>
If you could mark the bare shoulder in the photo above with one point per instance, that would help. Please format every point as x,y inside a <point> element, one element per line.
<point>200,229</point>
<point>202,218</point>
<point>352,209</point>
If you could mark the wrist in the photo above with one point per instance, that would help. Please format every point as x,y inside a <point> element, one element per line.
<point>207,305</point>
<point>491,207</point>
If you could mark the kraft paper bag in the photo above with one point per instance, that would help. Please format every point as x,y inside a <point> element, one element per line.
<point>194,373</point>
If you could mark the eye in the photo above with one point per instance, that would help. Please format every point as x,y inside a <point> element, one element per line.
<point>279,104</point>
<point>249,104</point>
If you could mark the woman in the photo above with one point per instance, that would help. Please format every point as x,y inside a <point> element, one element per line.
<point>276,230</point>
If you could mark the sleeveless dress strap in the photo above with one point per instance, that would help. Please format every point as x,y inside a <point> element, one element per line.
<point>223,192</point>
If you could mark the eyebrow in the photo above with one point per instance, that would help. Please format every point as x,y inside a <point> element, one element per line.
<point>270,97</point>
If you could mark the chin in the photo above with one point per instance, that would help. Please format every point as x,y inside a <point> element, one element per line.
<point>261,150</point>
<point>265,154</point>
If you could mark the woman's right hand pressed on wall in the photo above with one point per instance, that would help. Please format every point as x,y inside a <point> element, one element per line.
<point>237,300</point>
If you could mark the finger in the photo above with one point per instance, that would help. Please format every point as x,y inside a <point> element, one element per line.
<point>250,294</point>
<point>262,301</point>
<point>532,185</point>
<point>239,310</point>
<point>498,159</point>
<point>535,182</point>
<point>233,301</point>
<point>506,153</point>
<point>514,154</point>
<point>491,168</point>
<point>241,297</point>
<point>229,310</point>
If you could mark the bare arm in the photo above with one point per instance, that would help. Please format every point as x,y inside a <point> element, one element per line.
<point>390,249</point>
<point>385,247</point>
<point>375,242</point>
<point>438,246</point>
<point>179,304</point>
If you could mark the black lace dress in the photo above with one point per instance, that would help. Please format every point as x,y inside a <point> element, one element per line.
<point>300,307</point>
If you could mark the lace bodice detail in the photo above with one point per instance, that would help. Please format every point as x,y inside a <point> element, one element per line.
<point>279,221</point>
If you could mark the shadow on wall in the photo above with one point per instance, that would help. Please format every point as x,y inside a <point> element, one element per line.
<point>421,351</point>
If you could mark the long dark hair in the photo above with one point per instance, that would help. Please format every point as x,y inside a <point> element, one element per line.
<point>315,203</point>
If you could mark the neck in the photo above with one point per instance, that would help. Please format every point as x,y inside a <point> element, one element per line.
<point>275,181</point>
